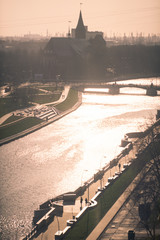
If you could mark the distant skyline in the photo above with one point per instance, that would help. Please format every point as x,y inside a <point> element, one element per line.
<point>20,17</point>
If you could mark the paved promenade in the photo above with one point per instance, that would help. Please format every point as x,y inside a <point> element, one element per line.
<point>95,234</point>
<point>99,231</point>
<point>126,219</point>
<point>69,211</point>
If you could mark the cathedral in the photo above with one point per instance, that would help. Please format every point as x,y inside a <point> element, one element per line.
<point>66,56</point>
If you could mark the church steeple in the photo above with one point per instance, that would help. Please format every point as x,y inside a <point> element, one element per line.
<point>80,31</point>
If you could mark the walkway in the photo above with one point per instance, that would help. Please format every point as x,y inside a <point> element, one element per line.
<point>69,211</point>
<point>38,108</point>
<point>112,212</point>
<point>124,216</point>
<point>5,117</point>
<point>128,218</point>
<point>60,223</point>
<point>44,123</point>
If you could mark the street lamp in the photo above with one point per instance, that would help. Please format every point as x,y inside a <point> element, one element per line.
<point>57,79</point>
<point>81,200</point>
<point>101,178</point>
<point>101,160</point>
<point>82,175</point>
<point>101,172</point>
<point>58,224</point>
<point>87,198</point>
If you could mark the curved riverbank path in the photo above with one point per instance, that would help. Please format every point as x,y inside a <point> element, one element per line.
<point>37,106</point>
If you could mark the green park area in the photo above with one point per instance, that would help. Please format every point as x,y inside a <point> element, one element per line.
<point>69,102</point>
<point>18,126</point>
<point>28,96</point>
<point>24,98</point>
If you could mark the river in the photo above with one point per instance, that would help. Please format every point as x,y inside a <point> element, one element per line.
<point>51,160</point>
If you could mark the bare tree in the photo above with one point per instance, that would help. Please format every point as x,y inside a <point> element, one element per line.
<point>147,193</point>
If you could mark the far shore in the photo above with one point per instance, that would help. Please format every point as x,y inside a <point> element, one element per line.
<point>43,124</point>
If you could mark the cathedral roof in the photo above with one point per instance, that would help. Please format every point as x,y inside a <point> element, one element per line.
<point>66,47</point>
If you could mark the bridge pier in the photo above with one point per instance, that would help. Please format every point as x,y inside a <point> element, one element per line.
<point>114,89</point>
<point>151,91</point>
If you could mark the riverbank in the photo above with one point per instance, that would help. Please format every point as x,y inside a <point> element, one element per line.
<point>132,76</point>
<point>63,110</point>
<point>89,191</point>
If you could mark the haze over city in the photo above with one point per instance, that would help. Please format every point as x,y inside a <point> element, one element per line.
<point>79,119</point>
<point>20,17</point>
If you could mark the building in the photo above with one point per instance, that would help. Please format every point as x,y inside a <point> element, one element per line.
<point>66,56</point>
<point>81,31</point>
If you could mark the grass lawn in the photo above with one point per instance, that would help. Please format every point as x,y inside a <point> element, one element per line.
<point>11,119</point>
<point>45,98</point>
<point>7,131</point>
<point>69,102</point>
<point>8,105</point>
<point>13,103</point>
<point>25,123</point>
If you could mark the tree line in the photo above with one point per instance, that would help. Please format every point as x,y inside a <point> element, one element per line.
<point>99,63</point>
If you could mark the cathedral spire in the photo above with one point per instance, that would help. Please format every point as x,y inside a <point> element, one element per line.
<point>80,32</point>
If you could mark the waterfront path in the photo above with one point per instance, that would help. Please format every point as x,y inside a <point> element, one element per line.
<point>60,223</point>
<point>5,117</point>
<point>38,106</point>
<point>69,211</point>
<point>127,218</point>
<point>107,219</point>
<point>45,123</point>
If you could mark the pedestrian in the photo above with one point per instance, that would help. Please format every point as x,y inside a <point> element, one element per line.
<point>119,165</point>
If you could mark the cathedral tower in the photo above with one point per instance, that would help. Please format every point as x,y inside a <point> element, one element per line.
<point>80,31</point>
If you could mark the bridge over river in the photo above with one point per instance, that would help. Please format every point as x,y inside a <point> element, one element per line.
<point>114,88</point>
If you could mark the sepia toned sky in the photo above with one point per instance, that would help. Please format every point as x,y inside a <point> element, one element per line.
<point>19,17</point>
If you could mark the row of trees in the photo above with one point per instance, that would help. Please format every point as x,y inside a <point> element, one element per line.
<point>98,63</point>
<point>19,65</point>
<point>136,59</point>
<point>147,194</point>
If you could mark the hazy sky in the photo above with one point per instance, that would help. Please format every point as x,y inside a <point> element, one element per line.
<point>19,17</point>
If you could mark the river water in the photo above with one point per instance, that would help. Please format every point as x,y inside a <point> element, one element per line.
<point>51,160</point>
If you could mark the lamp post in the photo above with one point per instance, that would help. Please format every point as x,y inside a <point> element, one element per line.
<point>85,170</point>
<point>101,160</point>
<point>58,224</point>
<point>88,193</point>
<point>57,80</point>
<point>110,172</point>
<point>101,177</point>
<point>81,199</point>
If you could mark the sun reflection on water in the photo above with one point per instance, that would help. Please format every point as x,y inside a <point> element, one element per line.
<point>51,160</point>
